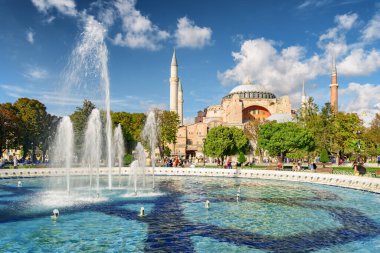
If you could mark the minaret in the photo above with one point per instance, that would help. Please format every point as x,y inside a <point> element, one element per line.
<point>303,98</point>
<point>180,103</point>
<point>174,84</point>
<point>334,88</point>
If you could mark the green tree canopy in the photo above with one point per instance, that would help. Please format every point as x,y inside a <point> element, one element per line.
<point>222,141</point>
<point>279,139</point>
<point>10,127</point>
<point>132,125</point>
<point>168,125</point>
<point>34,123</point>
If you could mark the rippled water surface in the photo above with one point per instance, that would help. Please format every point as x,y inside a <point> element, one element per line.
<point>268,216</point>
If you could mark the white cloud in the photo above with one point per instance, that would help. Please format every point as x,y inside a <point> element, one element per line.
<point>346,21</point>
<point>66,7</point>
<point>360,62</point>
<point>190,35</point>
<point>362,99</point>
<point>277,71</point>
<point>36,73</point>
<point>313,3</point>
<point>138,30</point>
<point>333,41</point>
<point>372,30</point>
<point>30,37</point>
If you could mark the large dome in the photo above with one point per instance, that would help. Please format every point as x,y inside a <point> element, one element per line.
<point>249,90</point>
<point>244,88</point>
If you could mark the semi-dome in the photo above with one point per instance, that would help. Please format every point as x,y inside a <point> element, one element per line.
<point>249,90</point>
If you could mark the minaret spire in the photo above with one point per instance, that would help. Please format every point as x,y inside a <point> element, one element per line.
<point>174,84</point>
<point>334,87</point>
<point>174,59</point>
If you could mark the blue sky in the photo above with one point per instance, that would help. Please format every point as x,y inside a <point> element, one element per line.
<point>219,44</point>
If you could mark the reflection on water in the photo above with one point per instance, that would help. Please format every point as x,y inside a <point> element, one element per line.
<point>270,216</point>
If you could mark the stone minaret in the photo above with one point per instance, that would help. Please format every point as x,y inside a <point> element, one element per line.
<point>180,103</point>
<point>174,84</point>
<point>334,88</point>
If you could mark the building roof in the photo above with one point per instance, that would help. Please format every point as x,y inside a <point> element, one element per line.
<point>280,118</point>
<point>251,91</point>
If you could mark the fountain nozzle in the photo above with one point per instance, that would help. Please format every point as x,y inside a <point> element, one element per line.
<point>207,204</point>
<point>142,212</point>
<point>55,214</point>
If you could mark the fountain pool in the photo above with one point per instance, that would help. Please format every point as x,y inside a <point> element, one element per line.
<point>269,216</point>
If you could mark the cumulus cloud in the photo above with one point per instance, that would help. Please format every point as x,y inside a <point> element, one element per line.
<point>277,71</point>
<point>372,30</point>
<point>333,41</point>
<point>66,7</point>
<point>190,35</point>
<point>360,62</point>
<point>362,99</point>
<point>30,37</point>
<point>138,30</point>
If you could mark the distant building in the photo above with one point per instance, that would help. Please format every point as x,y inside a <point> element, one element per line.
<point>244,103</point>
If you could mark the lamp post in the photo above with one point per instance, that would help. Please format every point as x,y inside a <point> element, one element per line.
<point>358,133</point>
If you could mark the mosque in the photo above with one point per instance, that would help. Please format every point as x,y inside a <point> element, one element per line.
<point>245,102</point>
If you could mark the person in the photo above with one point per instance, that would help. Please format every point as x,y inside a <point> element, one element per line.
<point>378,160</point>
<point>355,167</point>
<point>279,165</point>
<point>294,167</point>
<point>361,169</point>
<point>229,163</point>
<point>314,166</point>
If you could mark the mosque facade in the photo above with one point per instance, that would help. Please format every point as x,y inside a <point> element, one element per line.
<point>244,103</point>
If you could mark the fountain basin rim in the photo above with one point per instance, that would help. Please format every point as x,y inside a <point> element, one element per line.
<point>347,181</point>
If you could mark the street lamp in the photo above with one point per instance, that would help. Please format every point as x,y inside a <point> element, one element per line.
<point>358,133</point>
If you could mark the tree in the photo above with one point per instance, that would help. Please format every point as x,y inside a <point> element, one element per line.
<point>371,137</point>
<point>79,119</point>
<point>168,125</point>
<point>33,117</point>
<point>324,157</point>
<point>251,130</point>
<point>9,127</point>
<point>345,129</point>
<point>222,141</point>
<point>279,139</point>
<point>242,158</point>
<point>132,125</point>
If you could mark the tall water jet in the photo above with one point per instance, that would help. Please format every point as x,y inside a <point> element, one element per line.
<point>88,65</point>
<point>119,148</point>
<point>92,145</point>
<point>138,168</point>
<point>63,147</point>
<point>149,134</point>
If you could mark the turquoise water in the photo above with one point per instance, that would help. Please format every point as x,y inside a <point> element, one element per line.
<point>269,216</point>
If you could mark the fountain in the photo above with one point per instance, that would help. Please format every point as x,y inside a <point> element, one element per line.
<point>149,134</point>
<point>89,64</point>
<point>63,147</point>
<point>119,148</point>
<point>137,177</point>
<point>92,146</point>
